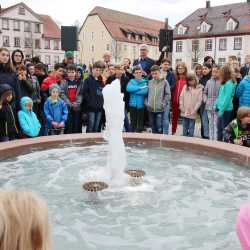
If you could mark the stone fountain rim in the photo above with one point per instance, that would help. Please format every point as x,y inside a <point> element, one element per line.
<point>234,153</point>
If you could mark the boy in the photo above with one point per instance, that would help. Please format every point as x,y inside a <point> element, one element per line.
<point>27,119</point>
<point>72,95</point>
<point>8,128</point>
<point>158,99</point>
<point>56,112</point>
<point>92,92</point>
<point>138,89</point>
<point>238,131</point>
<point>26,85</point>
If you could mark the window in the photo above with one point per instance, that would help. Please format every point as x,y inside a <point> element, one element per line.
<point>6,41</point>
<point>47,60</point>
<point>47,44</point>
<point>208,45</point>
<point>222,61</point>
<point>56,59</point>
<point>180,31</point>
<point>27,27</point>
<point>16,25</point>
<point>195,45</point>
<point>92,35</point>
<point>237,43</point>
<point>108,47</point>
<point>37,28</point>
<point>17,42</point>
<point>5,24</point>
<point>230,25</point>
<point>223,44</point>
<point>125,47</point>
<point>21,10</point>
<point>28,42</point>
<point>137,37</point>
<point>37,44</point>
<point>179,46</point>
<point>56,45</point>
<point>204,28</point>
<point>129,36</point>
<point>92,48</point>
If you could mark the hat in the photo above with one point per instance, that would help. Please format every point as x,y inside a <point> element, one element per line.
<point>69,54</point>
<point>54,86</point>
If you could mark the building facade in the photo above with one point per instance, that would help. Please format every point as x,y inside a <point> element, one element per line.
<point>34,34</point>
<point>219,31</point>
<point>117,32</point>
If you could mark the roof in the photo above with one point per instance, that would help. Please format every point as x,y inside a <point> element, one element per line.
<point>120,23</point>
<point>50,28</point>
<point>217,16</point>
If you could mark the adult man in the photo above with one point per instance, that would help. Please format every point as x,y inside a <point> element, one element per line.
<point>144,61</point>
<point>69,58</point>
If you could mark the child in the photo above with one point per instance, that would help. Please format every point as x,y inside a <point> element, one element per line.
<point>158,99</point>
<point>25,84</point>
<point>92,92</point>
<point>24,221</point>
<point>224,102</point>
<point>137,89</point>
<point>56,112</point>
<point>198,71</point>
<point>72,95</point>
<point>190,102</point>
<point>210,94</point>
<point>181,81</point>
<point>27,119</point>
<point>238,131</point>
<point>8,128</point>
<point>206,75</point>
<point>243,91</point>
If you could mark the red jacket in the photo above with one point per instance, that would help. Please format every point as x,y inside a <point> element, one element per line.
<point>47,82</point>
<point>178,89</point>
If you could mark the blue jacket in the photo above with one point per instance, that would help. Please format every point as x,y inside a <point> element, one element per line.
<point>138,89</point>
<point>145,64</point>
<point>243,92</point>
<point>55,111</point>
<point>171,80</point>
<point>28,120</point>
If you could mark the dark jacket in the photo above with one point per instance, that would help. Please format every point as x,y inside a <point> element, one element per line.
<point>36,95</point>
<point>7,115</point>
<point>92,94</point>
<point>146,64</point>
<point>26,88</point>
<point>244,70</point>
<point>205,79</point>
<point>124,82</point>
<point>10,78</point>
<point>171,80</point>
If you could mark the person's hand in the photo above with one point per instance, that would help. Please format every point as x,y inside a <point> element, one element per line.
<point>238,142</point>
<point>61,125</point>
<point>55,124</point>
<point>20,77</point>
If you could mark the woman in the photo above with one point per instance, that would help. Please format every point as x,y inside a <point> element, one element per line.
<point>17,58</point>
<point>198,71</point>
<point>7,75</point>
<point>224,102</point>
<point>24,222</point>
<point>181,81</point>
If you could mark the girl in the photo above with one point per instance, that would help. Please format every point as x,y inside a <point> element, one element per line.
<point>206,75</point>
<point>210,94</point>
<point>17,58</point>
<point>224,102</point>
<point>198,71</point>
<point>190,101</point>
<point>7,75</point>
<point>24,221</point>
<point>181,81</point>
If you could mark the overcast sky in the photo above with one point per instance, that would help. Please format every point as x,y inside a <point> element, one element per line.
<point>68,11</point>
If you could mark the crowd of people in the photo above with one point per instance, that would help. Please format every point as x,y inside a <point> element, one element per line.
<point>35,102</point>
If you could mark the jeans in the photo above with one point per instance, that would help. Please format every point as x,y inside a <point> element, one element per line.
<point>223,121</point>
<point>212,118</point>
<point>166,120</point>
<point>94,119</point>
<point>204,122</point>
<point>126,122</point>
<point>136,116</point>
<point>188,127</point>
<point>156,120</point>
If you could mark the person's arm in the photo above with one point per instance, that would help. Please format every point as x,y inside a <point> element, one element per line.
<point>143,90</point>
<point>132,87</point>
<point>171,80</point>
<point>240,89</point>
<point>63,93</point>
<point>48,116</point>
<point>229,89</point>
<point>167,94</point>
<point>45,84</point>
<point>23,123</point>
<point>64,112</point>
<point>228,134</point>
<point>181,101</point>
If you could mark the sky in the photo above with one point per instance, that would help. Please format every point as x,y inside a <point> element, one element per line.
<point>70,11</point>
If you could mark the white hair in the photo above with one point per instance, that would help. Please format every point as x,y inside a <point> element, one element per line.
<point>144,46</point>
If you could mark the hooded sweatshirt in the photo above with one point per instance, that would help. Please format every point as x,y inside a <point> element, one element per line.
<point>159,95</point>
<point>243,92</point>
<point>190,101</point>
<point>28,120</point>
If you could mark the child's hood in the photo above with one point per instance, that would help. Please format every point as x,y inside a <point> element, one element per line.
<point>4,88</point>
<point>24,101</point>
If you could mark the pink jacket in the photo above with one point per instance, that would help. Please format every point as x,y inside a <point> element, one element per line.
<point>190,101</point>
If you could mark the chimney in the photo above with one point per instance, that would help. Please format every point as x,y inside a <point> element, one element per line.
<point>166,23</point>
<point>208,4</point>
